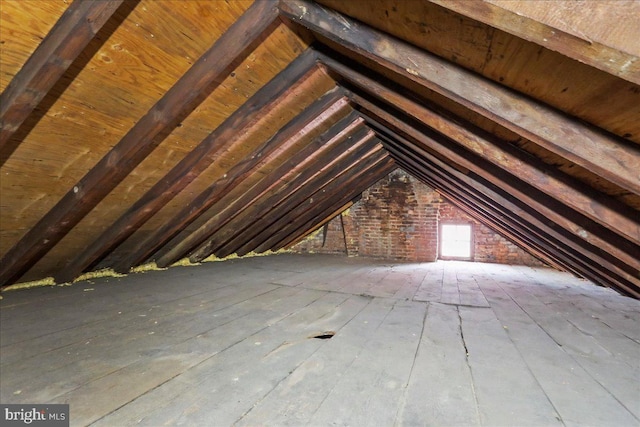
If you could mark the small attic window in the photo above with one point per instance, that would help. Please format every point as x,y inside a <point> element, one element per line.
<point>456,241</point>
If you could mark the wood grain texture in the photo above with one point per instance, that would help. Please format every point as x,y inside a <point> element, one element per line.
<point>541,73</point>
<point>327,165</point>
<point>332,104</point>
<point>192,165</point>
<point>139,141</point>
<point>606,212</point>
<point>250,204</point>
<point>586,146</point>
<point>567,29</point>
<point>348,185</point>
<point>512,187</point>
<point>66,40</point>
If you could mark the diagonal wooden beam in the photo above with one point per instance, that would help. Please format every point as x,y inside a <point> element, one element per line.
<point>259,221</point>
<point>330,105</point>
<point>603,210</point>
<point>553,210</point>
<point>290,80</point>
<point>612,158</point>
<point>245,204</point>
<point>482,212</point>
<point>329,217</point>
<point>500,209</point>
<point>310,217</point>
<point>569,259</point>
<point>559,38</point>
<point>606,266</point>
<point>143,137</point>
<point>335,191</point>
<point>301,166</point>
<point>67,39</point>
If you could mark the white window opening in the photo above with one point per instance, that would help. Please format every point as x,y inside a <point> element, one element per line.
<point>455,241</point>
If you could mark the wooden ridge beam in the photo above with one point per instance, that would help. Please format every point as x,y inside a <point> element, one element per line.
<point>571,44</point>
<point>223,138</point>
<point>54,55</point>
<point>604,210</point>
<point>309,218</point>
<point>612,158</point>
<point>331,104</point>
<point>301,167</point>
<point>262,223</point>
<point>143,137</point>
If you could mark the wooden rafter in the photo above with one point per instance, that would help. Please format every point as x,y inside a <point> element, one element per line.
<point>329,165</point>
<point>610,157</point>
<point>365,178</point>
<point>527,203</point>
<point>571,44</point>
<point>606,211</point>
<point>329,106</point>
<point>302,164</point>
<point>143,137</point>
<point>499,211</point>
<point>332,215</point>
<point>567,258</point>
<point>537,175</point>
<point>67,39</point>
<point>224,137</point>
<point>511,184</point>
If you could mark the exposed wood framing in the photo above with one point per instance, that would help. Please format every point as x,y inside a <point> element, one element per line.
<point>69,36</point>
<point>506,214</point>
<point>606,211</point>
<point>578,46</point>
<point>560,187</point>
<point>613,158</point>
<point>497,153</point>
<point>192,165</point>
<point>364,179</point>
<point>330,105</point>
<point>303,164</point>
<point>512,186</point>
<point>322,223</point>
<point>143,137</point>
<point>355,148</point>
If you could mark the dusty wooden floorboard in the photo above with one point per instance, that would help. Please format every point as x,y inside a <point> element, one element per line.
<point>605,366</point>
<point>294,400</point>
<point>228,343</point>
<point>562,378</point>
<point>440,390</point>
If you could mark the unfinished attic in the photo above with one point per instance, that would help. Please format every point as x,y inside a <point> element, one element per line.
<point>447,195</point>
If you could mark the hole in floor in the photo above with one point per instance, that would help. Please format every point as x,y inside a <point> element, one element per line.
<point>324,335</point>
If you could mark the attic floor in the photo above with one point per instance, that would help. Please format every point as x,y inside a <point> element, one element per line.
<point>445,343</point>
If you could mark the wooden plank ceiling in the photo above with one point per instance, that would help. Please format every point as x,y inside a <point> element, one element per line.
<point>153,130</point>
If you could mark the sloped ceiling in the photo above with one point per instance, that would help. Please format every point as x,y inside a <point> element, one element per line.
<point>153,130</point>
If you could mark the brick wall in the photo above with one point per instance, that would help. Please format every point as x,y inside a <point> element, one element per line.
<point>488,246</point>
<point>398,218</point>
